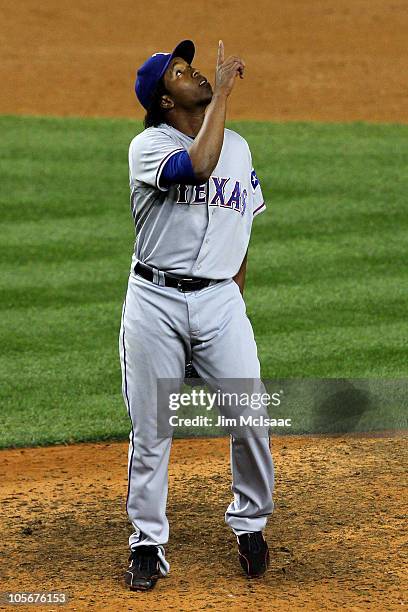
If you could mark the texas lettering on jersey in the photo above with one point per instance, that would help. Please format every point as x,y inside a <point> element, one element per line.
<point>192,230</point>
<point>234,199</point>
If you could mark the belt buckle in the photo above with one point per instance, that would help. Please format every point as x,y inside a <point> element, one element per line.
<point>180,285</point>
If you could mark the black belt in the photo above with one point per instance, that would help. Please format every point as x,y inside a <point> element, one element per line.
<point>171,280</point>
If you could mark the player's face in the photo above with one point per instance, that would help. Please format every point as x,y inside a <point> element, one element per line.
<point>187,87</point>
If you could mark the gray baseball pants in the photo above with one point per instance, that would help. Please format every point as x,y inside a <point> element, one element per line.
<point>160,328</point>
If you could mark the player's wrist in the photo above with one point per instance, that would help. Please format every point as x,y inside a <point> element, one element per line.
<point>220,96</point>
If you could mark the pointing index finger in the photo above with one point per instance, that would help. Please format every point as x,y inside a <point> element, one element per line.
<point>220,57</point>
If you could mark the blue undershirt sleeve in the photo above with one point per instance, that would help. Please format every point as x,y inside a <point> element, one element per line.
<point>178,169</point>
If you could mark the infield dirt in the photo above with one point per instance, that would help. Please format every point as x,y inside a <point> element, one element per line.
<point>329,60</point>
<point>336,537</point>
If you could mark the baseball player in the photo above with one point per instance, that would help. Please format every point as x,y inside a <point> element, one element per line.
<point>194,195</point>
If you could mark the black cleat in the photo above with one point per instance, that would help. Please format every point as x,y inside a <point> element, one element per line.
<point>144,568</point>
<point>253,554</point>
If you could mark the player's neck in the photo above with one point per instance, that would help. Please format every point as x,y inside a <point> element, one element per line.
<point>187,123</point>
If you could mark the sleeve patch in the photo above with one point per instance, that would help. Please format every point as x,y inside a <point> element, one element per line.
<point>254,180</point>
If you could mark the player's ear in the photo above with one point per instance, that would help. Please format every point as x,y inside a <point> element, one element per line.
<point>166,103</point>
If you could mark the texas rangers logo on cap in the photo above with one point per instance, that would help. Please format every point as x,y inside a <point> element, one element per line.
<point>150,73</point>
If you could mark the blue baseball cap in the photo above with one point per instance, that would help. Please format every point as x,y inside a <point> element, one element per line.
<point>150,73</point>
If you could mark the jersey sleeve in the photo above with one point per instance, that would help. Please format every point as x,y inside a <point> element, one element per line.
<point>178,169</point>
<point>257,196</point>
<point>148,154</point>
<point>257,199</point>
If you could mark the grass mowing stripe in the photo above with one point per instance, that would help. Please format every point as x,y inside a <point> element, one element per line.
<point>327,267</point>
<point>69,328</point>
<point>345,298</point>
<point>60,240</point>
<point>58,274</point>
<point>18,368</point>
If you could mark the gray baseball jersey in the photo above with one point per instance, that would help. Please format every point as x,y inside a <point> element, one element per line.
<point>192,230</point>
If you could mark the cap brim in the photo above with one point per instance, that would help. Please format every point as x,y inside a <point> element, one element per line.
<point>185,50</point>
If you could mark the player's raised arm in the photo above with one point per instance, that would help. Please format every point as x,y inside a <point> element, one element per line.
<point>205,151</point>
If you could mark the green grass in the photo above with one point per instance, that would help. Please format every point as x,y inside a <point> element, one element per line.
<point>327,274</point>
